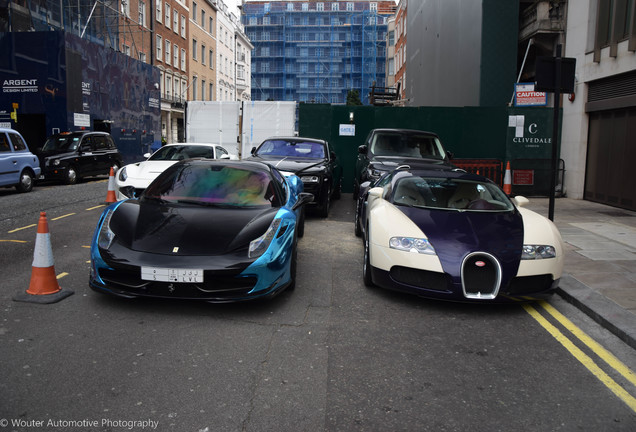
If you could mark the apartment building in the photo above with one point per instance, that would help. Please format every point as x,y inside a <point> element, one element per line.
<point>203,48</point>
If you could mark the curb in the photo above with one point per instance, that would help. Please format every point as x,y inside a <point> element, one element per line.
<point>598,307</point>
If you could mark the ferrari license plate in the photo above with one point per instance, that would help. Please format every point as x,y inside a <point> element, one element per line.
<point>172,275</point>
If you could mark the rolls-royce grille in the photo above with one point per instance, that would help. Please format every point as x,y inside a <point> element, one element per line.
<point>420,278</point>
<point>481,276</point>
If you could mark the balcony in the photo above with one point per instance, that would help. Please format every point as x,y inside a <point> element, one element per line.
<point>543,17</point>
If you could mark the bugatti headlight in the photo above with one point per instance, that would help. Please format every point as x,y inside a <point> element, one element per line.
<point>410,244</point>
<point>122,174</point>
<point>106,235</point>
<point>259,246</point>
<point>310,179</point>
<point>532,252</point>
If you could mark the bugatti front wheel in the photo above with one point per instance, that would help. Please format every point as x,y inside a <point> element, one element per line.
<point>366,267</point>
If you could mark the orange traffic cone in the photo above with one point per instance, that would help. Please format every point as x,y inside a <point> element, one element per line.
<point>507,188</point>
<point>110,195</point>
<point>43,287</point>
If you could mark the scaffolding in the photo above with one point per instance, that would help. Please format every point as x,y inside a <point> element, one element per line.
<point>316,52</point>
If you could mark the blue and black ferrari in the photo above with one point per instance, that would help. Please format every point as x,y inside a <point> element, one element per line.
<point>210,230</point>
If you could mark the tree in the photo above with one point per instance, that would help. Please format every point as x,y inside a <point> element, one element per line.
<point>353,97</point>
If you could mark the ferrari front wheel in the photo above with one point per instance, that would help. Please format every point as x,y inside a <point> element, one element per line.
<point>366,267</point>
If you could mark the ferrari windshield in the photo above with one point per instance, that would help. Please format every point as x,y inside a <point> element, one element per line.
<point>293,149</point>
<point>218,185</point>
<point>452,194</point>
<point>404,144</point>
<point>179,152</point>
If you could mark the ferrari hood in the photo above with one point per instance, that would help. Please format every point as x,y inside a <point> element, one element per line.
<point>149,169</point>
<point>187,229</point>
<point>455,234</point>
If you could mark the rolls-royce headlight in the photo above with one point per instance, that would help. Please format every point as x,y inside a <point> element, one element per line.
<point>532,252</point>
<point>410,244</point>
<point>122,174</point>
<point>259,246</point>
<point>106,235</point>
<point>56,162</point>
<point>310,179</point>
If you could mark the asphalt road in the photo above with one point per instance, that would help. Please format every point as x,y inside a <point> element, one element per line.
<point>330,356</point>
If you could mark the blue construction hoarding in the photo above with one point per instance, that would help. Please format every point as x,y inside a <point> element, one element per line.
<point>54,81</point>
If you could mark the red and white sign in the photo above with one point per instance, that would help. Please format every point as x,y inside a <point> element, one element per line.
<point>526,96</point>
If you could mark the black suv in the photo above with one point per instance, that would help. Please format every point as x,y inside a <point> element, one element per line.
<point>70,156</point>
<point>386,149</point>
<point>310,159</point>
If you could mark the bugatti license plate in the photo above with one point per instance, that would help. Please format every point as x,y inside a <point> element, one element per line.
<point>172,275</point>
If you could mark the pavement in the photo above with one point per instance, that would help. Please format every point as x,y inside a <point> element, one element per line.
<point>600,261</point>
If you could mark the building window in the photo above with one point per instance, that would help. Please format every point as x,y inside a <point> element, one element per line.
<point>334,6</point>
<point>202,54</point>
<point>305,6</point>
<point>195,48</point>
<point>211,59</point>
<point>194,89</point>
<point>159,13</point>
<point>126,8</point>
<point>194,11</point>
<point>142,57</point>
<point>211,92</point>
<point>168,16</point>
<point>126,49</point>
<point>373,6</point>
<point>142,13</point>
<point>168,45</point>
<point>183,26</point>
<point>211,26</point>
<point>159,48</point>
<point>183,59</point>
<point>168,86</point>
<point>175,21</point>
<point>320,6</point>
<point>391,38</point>
<point>613,26</point>
<point>221,62</point>
<point>350,6</point>
<point>202,89</point>
<point>175,53</point>
<point>202,18</point>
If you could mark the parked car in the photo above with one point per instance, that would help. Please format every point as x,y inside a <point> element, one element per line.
<point>312,160</point>
<point>451,235</point>
<point>213,230</point>
<point>71,156</point>
<point>386,149</point>
<point>18,166</point>
<point>139,175</point>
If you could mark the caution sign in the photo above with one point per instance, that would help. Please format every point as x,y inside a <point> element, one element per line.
<point>526,96</point>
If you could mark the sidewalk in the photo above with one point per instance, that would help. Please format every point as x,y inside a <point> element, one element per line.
<point>600,262</point>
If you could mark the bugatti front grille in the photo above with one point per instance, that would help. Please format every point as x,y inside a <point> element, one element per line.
<point>481,276</point>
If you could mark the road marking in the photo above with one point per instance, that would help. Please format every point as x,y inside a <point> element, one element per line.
<point>62,217</point>
<point>23,228</point>
<point>96,207</point>
<point>61,275</point>
<point>14,241</point>
<point>583,358</point>
<point>607,356</point>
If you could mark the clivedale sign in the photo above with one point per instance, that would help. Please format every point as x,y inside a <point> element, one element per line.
<point>527,132</point>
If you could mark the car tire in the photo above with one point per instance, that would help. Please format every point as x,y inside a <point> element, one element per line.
<point>366,267</point>
<point>337,193</point>
<point>71,176</point>
<point>356,221</point>
<point>26,182</point>
<point>323,210</point>
<point>300,231</point>
<point>293,267</point>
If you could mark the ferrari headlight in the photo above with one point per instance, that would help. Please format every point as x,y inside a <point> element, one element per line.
<point>310,179</point>
<point>122,174</point>
<point>410,244</point>
<point>260,245</point>
<point>532,252</point>
<point>106,235</point>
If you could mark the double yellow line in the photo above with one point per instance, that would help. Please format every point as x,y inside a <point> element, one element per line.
<point>586,360</point>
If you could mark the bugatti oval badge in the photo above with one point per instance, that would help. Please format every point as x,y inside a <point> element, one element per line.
<point>480,263</point>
